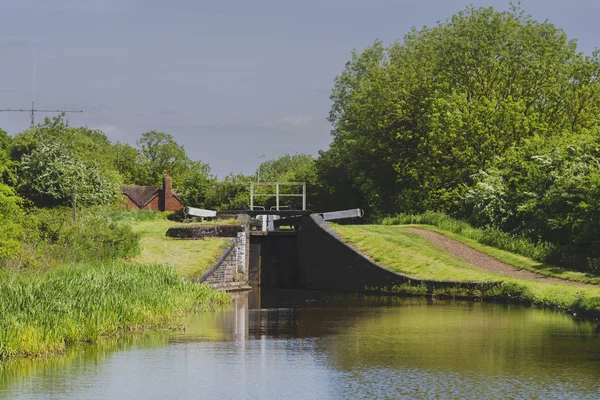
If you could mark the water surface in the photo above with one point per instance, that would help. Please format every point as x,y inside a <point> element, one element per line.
<point>314,345</point>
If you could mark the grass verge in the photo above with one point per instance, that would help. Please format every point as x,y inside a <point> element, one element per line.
<point>405,252</point>
<point>43,314</point>
<point>189,258</point>
<point>517,251</point>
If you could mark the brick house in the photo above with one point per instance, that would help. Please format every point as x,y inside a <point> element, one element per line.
<point>153,197</point>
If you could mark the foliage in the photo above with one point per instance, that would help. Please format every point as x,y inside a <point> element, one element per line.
<point>6,164</point>
<point>196,182</point>
<point>50,237</point>
<point>11,229</point>
<point>546,190</point>
<point>50,175</point>
<point>230,193</point>
<point>132,216</point>
<point>159,153</point>
<point>297,168</point>
<point>45,313</point>
<point>130,165</point>
<point>84,144</point>
<point>413,122</point>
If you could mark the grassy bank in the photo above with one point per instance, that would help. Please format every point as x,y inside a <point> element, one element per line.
<point>405,252</point>
<point>517,251</point>
<point>43,313</point>
<point>189,258</point>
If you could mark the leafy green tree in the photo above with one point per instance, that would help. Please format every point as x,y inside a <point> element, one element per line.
<point>196,183</point>
<point>159,153</point>
<point>85,144</point>
<point>131,165</point>
<point>413,122</point>
<point>50,175</point>
<point>230,193</point>
<point>6,164</point>
<point>548,190</point>
<point>289,168</point>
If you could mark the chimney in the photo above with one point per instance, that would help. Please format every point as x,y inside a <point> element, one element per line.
<point>166,191</point>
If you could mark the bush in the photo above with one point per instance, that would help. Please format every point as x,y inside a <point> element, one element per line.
<point>51,237</point>
<point>11,230</point>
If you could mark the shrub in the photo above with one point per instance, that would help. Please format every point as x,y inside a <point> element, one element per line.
<point>11,230</point>
<point>51,237</point>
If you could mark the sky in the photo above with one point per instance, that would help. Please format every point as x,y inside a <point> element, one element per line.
<point>231,80</point>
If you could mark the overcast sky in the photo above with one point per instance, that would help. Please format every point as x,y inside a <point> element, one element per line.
<point>229,79</point>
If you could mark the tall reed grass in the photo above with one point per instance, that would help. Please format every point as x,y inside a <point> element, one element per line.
<point>43,313</point>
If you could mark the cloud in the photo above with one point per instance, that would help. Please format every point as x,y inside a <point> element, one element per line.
<point>11,43</point>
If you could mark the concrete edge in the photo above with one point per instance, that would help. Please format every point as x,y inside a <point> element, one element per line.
<point>324,225</point>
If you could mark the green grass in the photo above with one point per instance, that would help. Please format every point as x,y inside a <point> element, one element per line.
<point>44,313</point>
<point>518,260</point>
<point>517,251</point>
<point>189,258</point>
<point>405,252</point>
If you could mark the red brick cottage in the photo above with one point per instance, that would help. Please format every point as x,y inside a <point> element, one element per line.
<point>153,197</point>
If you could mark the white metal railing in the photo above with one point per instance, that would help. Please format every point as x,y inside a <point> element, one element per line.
<point>277,194</point>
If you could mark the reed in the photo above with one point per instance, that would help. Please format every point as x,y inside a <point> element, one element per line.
<point>44,313</point>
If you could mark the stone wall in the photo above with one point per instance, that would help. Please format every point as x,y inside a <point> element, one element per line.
<point>225,269</point>
<point>231,270</point>
<point>202,231</point>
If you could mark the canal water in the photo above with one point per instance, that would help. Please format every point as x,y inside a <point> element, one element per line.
<point>315,345</point>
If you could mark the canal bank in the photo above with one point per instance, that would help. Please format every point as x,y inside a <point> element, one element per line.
<point>399,260</point>
<point>316,345</point>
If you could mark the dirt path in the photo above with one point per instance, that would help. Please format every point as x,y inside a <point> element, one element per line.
<point>483,261</point>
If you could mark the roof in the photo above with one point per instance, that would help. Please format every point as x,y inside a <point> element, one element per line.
<point>141,195</point>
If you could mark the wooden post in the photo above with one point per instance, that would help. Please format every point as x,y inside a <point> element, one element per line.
<point>277,195</point>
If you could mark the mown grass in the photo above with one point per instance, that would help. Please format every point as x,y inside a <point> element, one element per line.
<point>44,313</point>
<point>189,258</point>
<point>517,251</point>
<point>405,252</point>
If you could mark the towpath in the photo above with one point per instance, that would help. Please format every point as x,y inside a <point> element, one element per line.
<point>485,262</point>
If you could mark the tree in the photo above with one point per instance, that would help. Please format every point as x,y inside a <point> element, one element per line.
<point>50,175</point>
<point>412,123</point>
<point>548,190</point>
<point>85,144</point>
<point>288,168</point>
<point>230,193</point>
<point>159,153</point>
<point>6,164</point>
<point>131,165</point>
<point>196,182</point>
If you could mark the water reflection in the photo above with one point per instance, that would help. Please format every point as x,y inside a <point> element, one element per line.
<point>299,344</point>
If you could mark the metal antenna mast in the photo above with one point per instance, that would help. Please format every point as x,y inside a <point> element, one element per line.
<point>33,110</point>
